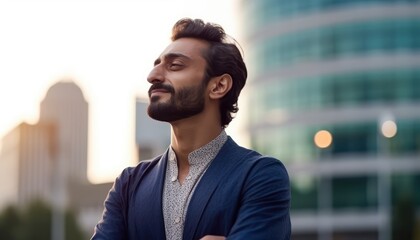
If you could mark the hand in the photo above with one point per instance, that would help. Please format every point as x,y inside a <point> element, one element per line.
<point>210,237</point>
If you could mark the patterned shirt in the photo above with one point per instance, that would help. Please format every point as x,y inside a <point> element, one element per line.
<point>176,197</point>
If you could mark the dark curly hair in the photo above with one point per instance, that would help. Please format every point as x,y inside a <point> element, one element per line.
<point>222,57</point>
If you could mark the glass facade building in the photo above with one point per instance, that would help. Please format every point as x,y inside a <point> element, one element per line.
<point>348,67</point>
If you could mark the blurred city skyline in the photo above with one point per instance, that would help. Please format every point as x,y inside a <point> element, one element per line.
<point>106,48</point>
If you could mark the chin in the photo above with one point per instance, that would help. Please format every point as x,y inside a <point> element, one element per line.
<point>159,99</point>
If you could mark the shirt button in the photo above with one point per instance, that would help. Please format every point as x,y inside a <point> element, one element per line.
<point>188,177</point>
<point>177,220</point>
<point>173,179</point>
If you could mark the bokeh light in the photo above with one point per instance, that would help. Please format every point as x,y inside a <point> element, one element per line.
<point>389,128</point>
<point>323,139</point>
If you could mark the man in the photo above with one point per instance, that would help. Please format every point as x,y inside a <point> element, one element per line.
<point>204,186</point>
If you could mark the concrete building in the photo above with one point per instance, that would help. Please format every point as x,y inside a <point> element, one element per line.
<point>350,68</point>
<point>27,162</point>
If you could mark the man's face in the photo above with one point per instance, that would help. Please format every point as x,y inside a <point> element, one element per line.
<point>178,85</point>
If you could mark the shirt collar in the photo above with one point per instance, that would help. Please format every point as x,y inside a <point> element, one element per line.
<point>205,153</point>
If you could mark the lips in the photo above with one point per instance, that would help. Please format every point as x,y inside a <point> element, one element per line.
<point>160,88</point>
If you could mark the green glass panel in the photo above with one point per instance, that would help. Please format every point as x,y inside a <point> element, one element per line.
<point>354,192</point>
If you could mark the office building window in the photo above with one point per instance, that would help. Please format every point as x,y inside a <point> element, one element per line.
<point>304,193</point>
<point>338,41</point>
<point>339,90</point>
<point>354,192</point>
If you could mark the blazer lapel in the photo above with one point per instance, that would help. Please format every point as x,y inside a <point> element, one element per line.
<point>149,217</point>
<point>224,162</point>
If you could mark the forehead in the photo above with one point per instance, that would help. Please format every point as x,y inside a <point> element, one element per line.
<point>189,47</point>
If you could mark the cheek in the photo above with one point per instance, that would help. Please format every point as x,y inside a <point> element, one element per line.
<point>190,77</point>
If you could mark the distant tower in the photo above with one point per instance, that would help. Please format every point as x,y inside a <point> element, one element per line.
<point>65,106</point>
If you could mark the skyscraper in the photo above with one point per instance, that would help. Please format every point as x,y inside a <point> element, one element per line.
<point>56,146</point>
<point>48,160</point>
<point>65,107</point>
<point>25,164</point>
<point>350,68</point>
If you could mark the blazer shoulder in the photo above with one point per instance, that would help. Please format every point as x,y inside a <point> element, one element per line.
<point>256,160</point>
<point>130,175</point>
<point>250,159</point>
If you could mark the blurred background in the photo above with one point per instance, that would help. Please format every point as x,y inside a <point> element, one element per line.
<point>333,92</point>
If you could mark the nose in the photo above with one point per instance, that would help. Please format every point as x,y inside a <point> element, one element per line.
<point>155,75</point>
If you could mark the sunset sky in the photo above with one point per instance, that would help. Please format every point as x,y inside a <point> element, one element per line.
<point>105,47</point>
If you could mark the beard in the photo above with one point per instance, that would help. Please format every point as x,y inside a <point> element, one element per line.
<point>183,103</point>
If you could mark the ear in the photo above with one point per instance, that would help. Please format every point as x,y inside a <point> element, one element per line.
<point>219,86</point>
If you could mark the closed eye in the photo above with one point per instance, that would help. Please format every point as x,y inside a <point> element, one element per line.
<point>175,66</point>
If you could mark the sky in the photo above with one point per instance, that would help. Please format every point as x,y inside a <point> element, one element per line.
<point>106,47</point>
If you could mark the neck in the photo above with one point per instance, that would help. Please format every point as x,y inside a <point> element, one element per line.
<point>192,133</point>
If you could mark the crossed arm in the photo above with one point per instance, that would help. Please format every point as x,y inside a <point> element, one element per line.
<point>264,205</point>
<point>208,237</point>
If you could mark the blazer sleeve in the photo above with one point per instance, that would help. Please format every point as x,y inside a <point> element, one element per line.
<point>264,209</point>
<point>113,224</point>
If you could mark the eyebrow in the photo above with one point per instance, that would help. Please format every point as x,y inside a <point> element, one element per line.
<point>170,56</point>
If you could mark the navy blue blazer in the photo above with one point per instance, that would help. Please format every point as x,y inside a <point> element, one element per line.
<point>242,195</point>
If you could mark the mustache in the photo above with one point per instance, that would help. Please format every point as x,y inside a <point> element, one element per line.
<point>159,85</point>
